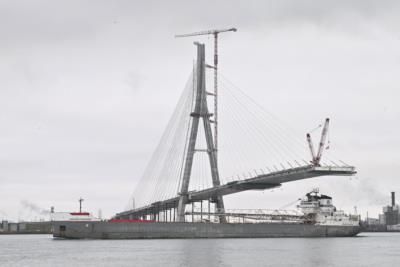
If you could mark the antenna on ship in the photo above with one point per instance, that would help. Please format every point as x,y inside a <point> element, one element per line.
<point>80,204</point>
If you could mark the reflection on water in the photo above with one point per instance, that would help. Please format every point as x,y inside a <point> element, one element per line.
<point>377,249</point>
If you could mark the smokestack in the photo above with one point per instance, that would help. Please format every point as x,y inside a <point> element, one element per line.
<point>393,199</point>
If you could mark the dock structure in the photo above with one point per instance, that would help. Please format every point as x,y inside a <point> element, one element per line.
<point>174,208</point>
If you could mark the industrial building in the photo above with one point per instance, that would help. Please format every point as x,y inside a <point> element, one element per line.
<point>7,227</point>
<point>391,214</point>
<point>389,220</point>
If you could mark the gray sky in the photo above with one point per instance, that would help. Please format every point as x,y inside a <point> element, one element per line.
<point>87,87</point>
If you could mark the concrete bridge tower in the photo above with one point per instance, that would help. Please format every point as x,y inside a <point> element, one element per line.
<point>200,111</point>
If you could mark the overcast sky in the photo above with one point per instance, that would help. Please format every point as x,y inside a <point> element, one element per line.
<point>87,87</point>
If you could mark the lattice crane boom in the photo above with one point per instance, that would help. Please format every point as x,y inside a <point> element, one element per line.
<point>311,146</point>
<point>316,158</point>
<point>323,139</point>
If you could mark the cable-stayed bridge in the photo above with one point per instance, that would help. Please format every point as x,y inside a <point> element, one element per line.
<point>184,168</point>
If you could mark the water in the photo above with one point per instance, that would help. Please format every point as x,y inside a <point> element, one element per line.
<point>368,249</point>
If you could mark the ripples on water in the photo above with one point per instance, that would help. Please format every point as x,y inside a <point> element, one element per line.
<point>372,249</point>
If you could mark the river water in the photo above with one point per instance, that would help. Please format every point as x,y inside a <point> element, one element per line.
<point>368,249</point>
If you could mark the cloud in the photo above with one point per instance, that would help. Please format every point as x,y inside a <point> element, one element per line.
<point>84,100</point>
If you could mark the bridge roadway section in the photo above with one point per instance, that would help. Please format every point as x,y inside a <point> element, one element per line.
<point>259,182</point>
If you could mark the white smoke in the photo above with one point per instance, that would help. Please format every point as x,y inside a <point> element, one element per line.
<point>34,208</point>
<point>3,214</point>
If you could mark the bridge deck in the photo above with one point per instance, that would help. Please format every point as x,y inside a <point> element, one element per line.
<point>260,182</point>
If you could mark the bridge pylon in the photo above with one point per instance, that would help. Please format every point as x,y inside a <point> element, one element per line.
<point>200,111</point>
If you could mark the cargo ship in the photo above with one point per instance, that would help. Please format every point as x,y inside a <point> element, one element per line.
<point>316,217</point>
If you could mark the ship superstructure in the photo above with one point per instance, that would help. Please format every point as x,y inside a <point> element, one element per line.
<point>72,216</point>
<point>318,209</point>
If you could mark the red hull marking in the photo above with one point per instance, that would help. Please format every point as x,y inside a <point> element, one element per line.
<point>130,221</point>
<point>80,213</point>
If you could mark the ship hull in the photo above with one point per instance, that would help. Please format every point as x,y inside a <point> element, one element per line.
<point>157,230</point>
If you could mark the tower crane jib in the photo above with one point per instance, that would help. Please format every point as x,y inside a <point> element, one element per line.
<point>206,32</point>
